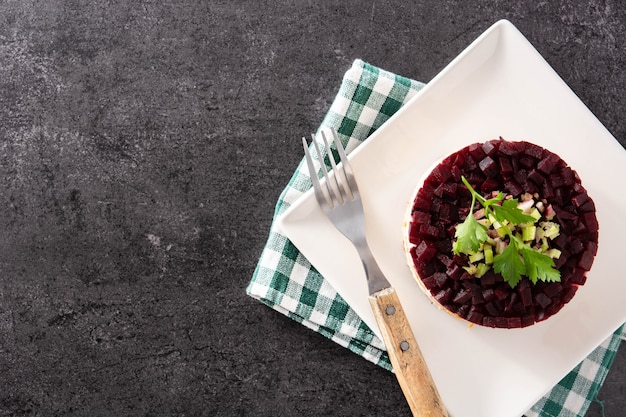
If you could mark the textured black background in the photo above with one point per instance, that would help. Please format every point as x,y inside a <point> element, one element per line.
<point>143,146</point>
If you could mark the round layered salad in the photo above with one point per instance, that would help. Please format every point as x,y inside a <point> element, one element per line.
<point>501,233</point>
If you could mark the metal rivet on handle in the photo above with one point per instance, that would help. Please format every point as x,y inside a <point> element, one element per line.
<point>390,310</point>
<point>404,345</point>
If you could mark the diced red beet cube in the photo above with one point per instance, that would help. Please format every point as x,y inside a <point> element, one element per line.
<point>506,149</point>
<point>543,300</point>
<point>535,176</point>
<point>489,294</point>
<point>425,250</point>
<point>588,206</point>
<point>444,259</point>
<point>502,322</point>
<point>420,217</point>
<point>553,289</point>
<point>547,164</point>
<point>443,296</point>
<point>586,259</point>
<point>488,166</point>
<point>568,175</point>
<point>505,166</point>
<point>476,150</point>
<point>462,296</point>
<point>514,322</point>
<point>429,282</point>
<point>490,184</point>
<point>489,321</point>
<point>489,148</point>
<point>493,308</point>
<point>528,320</point>
<point>513,188</point>
<point>533,150</point>
<point>591,221</point>
<point>525,292</point>
<point>440,278</point>
<point>502,293</point>
<point>569,294</point>
<point>454,271</point>
<point>442,172</point>
<point>527,162</point>
<point>475,317</point>
<point>428,231</point>
<point>580,199</point>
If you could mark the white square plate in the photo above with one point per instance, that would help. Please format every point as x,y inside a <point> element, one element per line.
<point>499,86</point>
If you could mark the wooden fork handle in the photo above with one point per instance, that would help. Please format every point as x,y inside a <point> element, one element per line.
<point>407,360</point>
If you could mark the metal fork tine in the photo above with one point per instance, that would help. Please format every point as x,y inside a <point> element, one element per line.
<point>350,186</point>
<point>329,189</point>
<point>336,179</point>
<point>319,195</point>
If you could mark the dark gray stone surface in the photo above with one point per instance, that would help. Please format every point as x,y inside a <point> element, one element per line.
<point>142,147</point>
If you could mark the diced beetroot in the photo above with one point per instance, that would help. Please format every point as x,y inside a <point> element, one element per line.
<point>505,166</point>
<point>489,321</point>
<point>543,300</point>
<point>514,322</point>
<point>429,282</point>
<point>588,206</point>
<point>525,293</point>
<point>475,317</point>
<point>420,217</point>
<point>476,150</point>
<point>493,308</point>
<point>569,178</point>
<point>553,289</point>
<point>513,188</point>
<point>527,162</point>
<point>443,296</point>
<point>502,322</point>
<point>579,276</point>
<point>442,172</point>
<point>533,151</point>
<point>488,166</point>
<point>547,164</point>
<point>556,179</point>
<point>506,149</point>
<point>489,147</point>
<point>425,250</point>
<point>444,259</point>
<point>569,294</point>
<point>428,231</point>
<point>591,221</point>
<point>580,199</point>
<point>462,296</point>
<point>489,294</point>
<point>586,259</point>
<point>535,176</point>
<point>440,278</point>
<point>422,203</point>
<point>502,291</point>
<point>489,185</point>
<point>528,320</point>
<point>547,191</point>
<point>454,271</point>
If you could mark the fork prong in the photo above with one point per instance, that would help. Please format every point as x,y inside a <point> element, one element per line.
<point>350,186</point>
<point>336,179</point>
<point>319,194</point>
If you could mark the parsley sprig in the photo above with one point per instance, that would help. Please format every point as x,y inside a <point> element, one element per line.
<point>518,259</point>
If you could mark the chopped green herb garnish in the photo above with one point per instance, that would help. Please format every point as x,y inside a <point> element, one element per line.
<point>519,240</point>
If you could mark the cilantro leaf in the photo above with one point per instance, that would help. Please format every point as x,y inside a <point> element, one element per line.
<point>510,265</point>
<point>469,235</point>
<point>539,266</point>
<point>509,211</point>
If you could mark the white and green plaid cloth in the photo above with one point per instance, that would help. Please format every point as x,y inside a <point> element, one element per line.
<point>287,282</point>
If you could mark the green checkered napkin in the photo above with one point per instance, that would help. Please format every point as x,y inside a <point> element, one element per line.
<point>286,281</point>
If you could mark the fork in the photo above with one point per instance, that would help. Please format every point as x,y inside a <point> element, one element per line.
<point>339,198</point>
